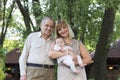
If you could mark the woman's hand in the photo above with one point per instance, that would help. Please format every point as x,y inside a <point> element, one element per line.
<point>75,59</point>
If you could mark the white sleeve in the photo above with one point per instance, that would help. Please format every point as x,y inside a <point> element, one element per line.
<point>24,56</point>
<point>68,48</point>
<point>57,48</point>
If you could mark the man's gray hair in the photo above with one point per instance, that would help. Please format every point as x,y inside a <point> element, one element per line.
<point>46,18</point>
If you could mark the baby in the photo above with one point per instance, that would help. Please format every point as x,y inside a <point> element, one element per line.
<point>67,59</point>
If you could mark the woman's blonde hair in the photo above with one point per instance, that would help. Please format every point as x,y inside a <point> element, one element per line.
<point>61,23</point>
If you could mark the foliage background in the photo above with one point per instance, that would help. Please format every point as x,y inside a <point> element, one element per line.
<point>18,18</point>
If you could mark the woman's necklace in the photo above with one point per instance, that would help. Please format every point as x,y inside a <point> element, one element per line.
<point>68,42</point>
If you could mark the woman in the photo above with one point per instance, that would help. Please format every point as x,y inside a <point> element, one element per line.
<point>64,73</point>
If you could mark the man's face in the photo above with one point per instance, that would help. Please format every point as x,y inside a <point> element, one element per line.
<point>47,27</point>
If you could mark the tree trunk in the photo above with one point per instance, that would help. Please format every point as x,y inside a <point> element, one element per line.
<point>102,47</point>
<point>25,13</point>
<point>5,25</point>
<point>37,11</point>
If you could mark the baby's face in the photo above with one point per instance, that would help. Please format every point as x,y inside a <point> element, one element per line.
<point>60,42</point>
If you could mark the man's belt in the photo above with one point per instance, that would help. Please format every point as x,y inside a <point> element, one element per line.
<point>40,65</point>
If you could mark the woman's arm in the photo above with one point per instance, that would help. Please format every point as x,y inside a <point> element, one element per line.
<point>55,54</point>
<point>85,55</point>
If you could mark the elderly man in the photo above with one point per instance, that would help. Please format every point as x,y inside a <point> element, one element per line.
<point>34,61</point>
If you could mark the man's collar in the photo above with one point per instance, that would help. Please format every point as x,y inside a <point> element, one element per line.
<point>40,35</point>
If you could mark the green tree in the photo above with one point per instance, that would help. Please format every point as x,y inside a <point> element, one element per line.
<point>37,12</point>
<point>102,47</point>
<point>89,20</point>
<point>26,17</point>
<point>2,59</point>
<point>6,21</point>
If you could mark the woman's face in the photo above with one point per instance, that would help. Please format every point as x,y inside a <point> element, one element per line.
<point>63,31</point>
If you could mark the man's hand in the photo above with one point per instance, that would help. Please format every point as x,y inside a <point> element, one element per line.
<point>23,77</point>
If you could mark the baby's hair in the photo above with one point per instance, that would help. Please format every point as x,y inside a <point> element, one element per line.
<point>58,37</point>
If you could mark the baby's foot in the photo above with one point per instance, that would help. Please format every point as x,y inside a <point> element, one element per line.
<point>82,65</point>
<point>76,72</point>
